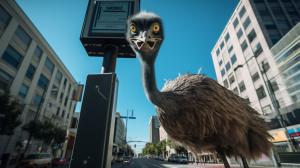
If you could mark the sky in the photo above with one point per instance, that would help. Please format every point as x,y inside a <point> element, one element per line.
<point>192,27</point>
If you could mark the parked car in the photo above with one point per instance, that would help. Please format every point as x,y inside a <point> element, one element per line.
<point>35,160</point>
<point>57,162</point>
<point>181,159</point>
<point>172,158</point>
<point>126,160</point>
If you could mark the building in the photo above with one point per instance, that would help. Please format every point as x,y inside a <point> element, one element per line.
<point>154,129</point>
<point>243,59</point>
<point>34,74</point>
<point>119,137</point>
<point>71,135</point>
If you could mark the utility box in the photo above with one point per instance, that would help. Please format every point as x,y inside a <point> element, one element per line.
<point>94,138</point>
<point>105,24</point>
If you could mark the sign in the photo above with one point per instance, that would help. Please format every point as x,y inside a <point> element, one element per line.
<point>77,94</point>
<point>105,24</point>
<point>278,136</point>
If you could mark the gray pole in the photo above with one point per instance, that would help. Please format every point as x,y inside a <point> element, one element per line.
<point>110,59</point>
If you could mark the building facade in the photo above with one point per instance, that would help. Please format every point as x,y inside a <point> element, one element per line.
<point>154,129</point>
<point>244,60</point>
<point>34,75</point>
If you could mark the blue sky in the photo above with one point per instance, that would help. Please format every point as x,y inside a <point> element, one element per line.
<point>191,29</point>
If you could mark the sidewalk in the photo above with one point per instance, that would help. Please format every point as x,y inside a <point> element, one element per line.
<point>214,165</point>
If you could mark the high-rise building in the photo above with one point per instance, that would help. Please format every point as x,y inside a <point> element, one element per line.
<point>154,129</point>
<point>251,57</point>
<point>119,133</point>
<point>34,75</point>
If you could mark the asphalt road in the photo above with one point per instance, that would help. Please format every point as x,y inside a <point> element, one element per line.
<point>150,163</point>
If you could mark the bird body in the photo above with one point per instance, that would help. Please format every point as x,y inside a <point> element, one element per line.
<point>194,109</point>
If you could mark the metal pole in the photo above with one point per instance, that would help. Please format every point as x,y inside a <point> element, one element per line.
<point>110,59</point>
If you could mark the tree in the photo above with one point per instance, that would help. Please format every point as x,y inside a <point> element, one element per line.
<point>10,110</point>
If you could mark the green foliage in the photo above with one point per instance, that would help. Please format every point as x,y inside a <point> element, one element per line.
<point>155,149</point>
<point>10,111</point>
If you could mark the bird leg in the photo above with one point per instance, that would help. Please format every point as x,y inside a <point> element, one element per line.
<point>223,157</point>
<point>244,162</point>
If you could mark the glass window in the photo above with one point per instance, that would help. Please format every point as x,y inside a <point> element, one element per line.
<point>220,63</point>
<point>261,93</point>
<point>54,91</point>
<point>5,79</point>
<point>4,19</point>
<point>227,37</point>
<point>274,86</point>
<point>235,22</point>
<point>223,72</point>
<point>255,76</point>
<point>239,33</point>
<point>227,66</point>
<point>12,57</point>
<point>23,90</point>
<point>36,100</point>
<point>23,37</point>
<point>37,54</point>
<point>242,12</point>
<point>251,36</point>
<point>218,52</point>
<point>244,45</point>
<point>49,65</point>
<point>58,110</point>
<point>226,83</point>
<point>267,109</point>
<point>58,76</point>
<point>235,91</point>
<point>66,100</point>
<point>231,79</point>
<point>233,59</point>
<point>242,86</point>
<point>257,50</point>
<point>230,49</point>
<point>222,45</point>
<point>63,114</point>
<point>43,82</point>
<point>30,71</point>
<point>246,23</point>
<point>265,66</point>
<point>61,97</point>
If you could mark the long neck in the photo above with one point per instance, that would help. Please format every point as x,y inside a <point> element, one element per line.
<point>150,83</point>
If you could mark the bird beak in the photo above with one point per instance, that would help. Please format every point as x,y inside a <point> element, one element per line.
<point>139,40</point>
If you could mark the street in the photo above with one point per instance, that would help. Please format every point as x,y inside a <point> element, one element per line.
<point>152,163</point>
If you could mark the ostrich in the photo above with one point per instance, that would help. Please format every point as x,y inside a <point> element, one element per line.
<point>194,109</point>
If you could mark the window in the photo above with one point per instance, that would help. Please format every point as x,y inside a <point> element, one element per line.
<point>49,65</point>
<point>218,52</point>
<point>261,93</point>
<point>255,76</point>
<point>242,86</point>
<point>251,36</point>
<point>63,114</point>
<point>227,37</point>
<point>246,23</point>
<point>239,33</point>
<point>222,45</point>
<point>12,57</point>
<point>242,12</point>
<point>244,45</point>
<point>57,111</point>
<point>23,90</point>
<point>65,82</point>
<point>233,59</point>
<point>235,91</point>
<point>227,66</point>
<point>5,79</point>
<point>54,91</point>
<point>4,19</point>
<point>58,77</point>
<point>231,79</point>
<point>230,49</point>
<point>265,66</point>
<point>274,86</point>
<point>223,72</point>
<point>267,109</point>
<point>43,82</point>
<point>37,54</point>
<point>235,22</point>
<point>226,83</point>
<point>66,100</point>
<point>30,72</point>
<point>23,37</point>
<point>220,62</point>
<point>257,50</point>
<point>61,97</point>
<point>37,100</point>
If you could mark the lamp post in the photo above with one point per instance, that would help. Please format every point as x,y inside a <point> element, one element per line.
<point>126,125</point>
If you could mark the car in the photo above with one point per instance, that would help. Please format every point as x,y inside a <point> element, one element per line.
<point>126,160</point>
<point>57,162</point>
<point>181,159</point>
<point>35,160</point>
<point>172,158</point>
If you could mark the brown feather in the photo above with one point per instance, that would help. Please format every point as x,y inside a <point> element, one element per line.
<point>204,115</point>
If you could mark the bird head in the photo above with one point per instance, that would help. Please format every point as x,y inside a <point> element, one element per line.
<point>145,34</point>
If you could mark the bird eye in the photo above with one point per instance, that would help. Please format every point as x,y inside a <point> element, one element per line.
<point>132,28</point>
<point>155,27</point>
